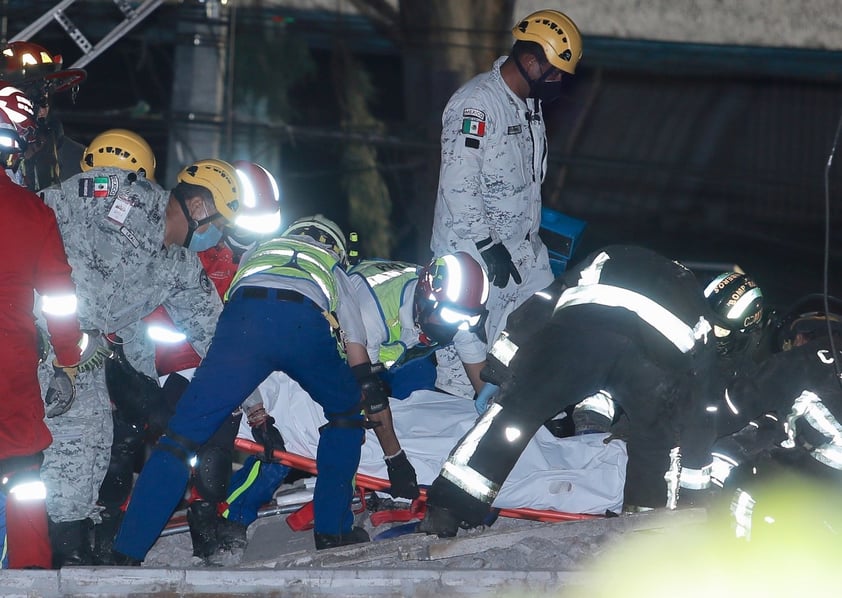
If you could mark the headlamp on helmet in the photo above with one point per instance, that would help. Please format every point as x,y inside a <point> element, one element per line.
<point>451,294</point>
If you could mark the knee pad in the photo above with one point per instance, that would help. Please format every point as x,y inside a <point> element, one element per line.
<point>212,472</point>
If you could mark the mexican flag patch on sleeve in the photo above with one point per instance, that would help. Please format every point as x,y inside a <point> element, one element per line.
<point>472,126</point>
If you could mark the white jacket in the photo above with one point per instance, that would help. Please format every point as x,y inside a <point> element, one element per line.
<point>493,160</point>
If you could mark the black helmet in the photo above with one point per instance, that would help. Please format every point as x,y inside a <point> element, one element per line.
<point>808,318</point>
<point>736,303</point>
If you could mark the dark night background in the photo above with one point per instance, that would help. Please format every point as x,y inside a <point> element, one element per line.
<point>709,154</point>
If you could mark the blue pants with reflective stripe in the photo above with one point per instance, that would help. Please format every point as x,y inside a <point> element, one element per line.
<point>255,337</point>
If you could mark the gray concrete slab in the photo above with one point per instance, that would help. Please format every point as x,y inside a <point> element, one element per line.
<point>513,557</point>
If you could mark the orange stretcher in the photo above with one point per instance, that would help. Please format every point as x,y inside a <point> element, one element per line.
<point>302,518</point>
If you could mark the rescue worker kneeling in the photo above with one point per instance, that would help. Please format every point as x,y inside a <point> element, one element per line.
<point>626,321</point>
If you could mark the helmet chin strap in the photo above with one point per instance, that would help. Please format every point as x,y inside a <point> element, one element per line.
<point>192,223</point>
<point>533,83</point>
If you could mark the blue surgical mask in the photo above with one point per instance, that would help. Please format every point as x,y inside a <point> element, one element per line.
<point>206,240</point>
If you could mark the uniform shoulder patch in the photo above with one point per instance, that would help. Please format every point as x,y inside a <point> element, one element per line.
<point>471,142</point>
<point>473,113</point>
<point>472,126</point>
<point>86,187</point>
<point>130,236</point>
<point>473,122</point>
<point>205,283</point>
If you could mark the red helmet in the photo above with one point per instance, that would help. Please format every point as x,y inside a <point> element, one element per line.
<point>33,68</point>
<point>11,145</point>
<point>451,294</point>
<point>20,111</point>
<point>260,206</point>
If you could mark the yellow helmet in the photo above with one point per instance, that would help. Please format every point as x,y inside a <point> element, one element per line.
<point>218,177</point>
<point>119,148</point>
<point>557,35</point>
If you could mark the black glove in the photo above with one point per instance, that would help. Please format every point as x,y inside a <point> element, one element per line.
<point>61,392</point>
<point>133,393</point>
<point>498,263</point>
<point>264,431</point>
<point>402,476</point>
<point>375,392</point>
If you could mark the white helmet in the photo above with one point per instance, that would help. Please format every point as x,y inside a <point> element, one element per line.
<point>323,230</point>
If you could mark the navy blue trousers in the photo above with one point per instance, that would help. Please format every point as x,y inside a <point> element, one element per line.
<point>254,337</point>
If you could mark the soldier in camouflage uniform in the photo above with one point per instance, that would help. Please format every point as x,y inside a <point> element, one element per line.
<point>493,160</point>
<point>132,246</point>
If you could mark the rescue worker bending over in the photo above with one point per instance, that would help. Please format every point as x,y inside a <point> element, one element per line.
<point>258,218</point>
<point>412,311</point>
<point>408,312</point>
<point>738,318</point>
<point>790,405</point>
<point>625,320</point>
<point>282,314</point>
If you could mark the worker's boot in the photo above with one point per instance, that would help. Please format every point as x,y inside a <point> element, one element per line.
<point>202,518</point>
<point>440,521</point>
<point>357,535</point>
<point>71,544</point>
<point>104,534</point>
<point>231,535</point>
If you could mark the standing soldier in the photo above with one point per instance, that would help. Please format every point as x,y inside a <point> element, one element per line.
<point>133,247</point>
<point>493,161</point>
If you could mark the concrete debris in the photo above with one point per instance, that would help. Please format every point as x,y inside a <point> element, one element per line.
<point>513,557</point>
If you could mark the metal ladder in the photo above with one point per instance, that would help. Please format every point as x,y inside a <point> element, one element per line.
<point>132,15</point>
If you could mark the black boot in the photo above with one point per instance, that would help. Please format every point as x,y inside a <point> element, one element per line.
<point>202,518</point>
<point>440,521</point>
<point>104,534</point>
<point>357,535</point>
<point>230,534</point>
<point>71,544</point>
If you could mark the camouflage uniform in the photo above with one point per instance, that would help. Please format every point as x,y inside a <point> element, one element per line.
<point>493,161</point>
<point>112,223</point>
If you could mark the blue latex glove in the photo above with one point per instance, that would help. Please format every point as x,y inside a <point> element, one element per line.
<point>484,396</point>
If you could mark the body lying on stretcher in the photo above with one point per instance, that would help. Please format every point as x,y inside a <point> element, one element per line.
<point>580,474</point>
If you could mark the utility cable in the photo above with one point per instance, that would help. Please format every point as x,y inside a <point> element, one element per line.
<point>825,289</point>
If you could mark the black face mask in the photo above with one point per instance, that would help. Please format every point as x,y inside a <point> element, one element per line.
<point>546,91</point>
<point>540,88</point>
